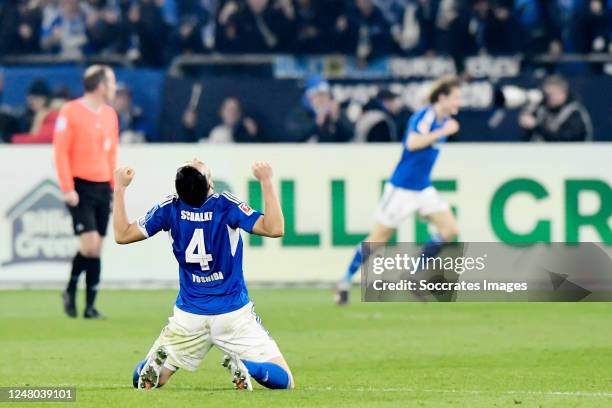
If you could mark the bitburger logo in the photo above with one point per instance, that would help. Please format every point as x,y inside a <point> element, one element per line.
<point>40,227</point>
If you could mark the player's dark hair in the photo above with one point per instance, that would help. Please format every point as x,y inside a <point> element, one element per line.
<point>94,76</point>
<point>444,86</point>
<point>191,186</point>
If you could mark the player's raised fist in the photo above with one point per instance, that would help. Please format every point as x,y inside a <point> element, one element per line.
<point>262,171</point>
<point>124,176</point>
<point>450,127</point>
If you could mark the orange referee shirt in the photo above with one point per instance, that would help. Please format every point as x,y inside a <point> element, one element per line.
<point>85,143</point>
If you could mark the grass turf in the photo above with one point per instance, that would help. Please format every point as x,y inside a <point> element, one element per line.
<point>364,355</point>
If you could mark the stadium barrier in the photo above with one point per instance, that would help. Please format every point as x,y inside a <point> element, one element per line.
<point>528,193</point>
<point>269,102</point>
<point>269,96</point>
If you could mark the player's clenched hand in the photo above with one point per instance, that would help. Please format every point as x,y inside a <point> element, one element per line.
<point>262,171</point>
<point>71,198</point>
<point>450,127</point>
<point>124,176</point>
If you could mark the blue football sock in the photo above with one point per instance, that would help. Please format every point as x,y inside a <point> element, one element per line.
<point>362,253</point>
<point>136,372</point>
<point>269,375</point>
<point>433,246</point>
<point>431,249</point>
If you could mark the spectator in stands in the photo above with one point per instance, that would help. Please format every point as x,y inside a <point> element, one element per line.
<point>562,17</point>
<point>9,21</point>
<point>132,128</point>
<point>20,23</point>
<point>559,118</point>
<point>103,20</point>
<point>148,32</point>
<point>452,30</point>
<point>187,39</point>
<point>196,25</point>
<point>491,27</point>
<point>364,31</point>
<point>384,119</point>
<point>234,127</point>
<point>37,105</point>
<point>37,121</point>
<point>594,26</point>
<point>405,25</point>
<point>258,26</point>
<point>532,35</point>
<point>426,16</point>
<point>64,29</point>
<point>314,20</point>
<point>9,125</point>
<point>189,122</point>
<point>319,117</point>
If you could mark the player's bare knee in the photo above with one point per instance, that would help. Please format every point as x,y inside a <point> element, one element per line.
<point>90,251</point>
<point>449,233</point>
<point>91,245</point>
<point>380,234</point>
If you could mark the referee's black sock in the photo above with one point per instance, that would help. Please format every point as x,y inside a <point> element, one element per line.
<point>92,279</point>
<point>79,264</point>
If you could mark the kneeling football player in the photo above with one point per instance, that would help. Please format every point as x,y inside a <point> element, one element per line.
<point>212,307</point>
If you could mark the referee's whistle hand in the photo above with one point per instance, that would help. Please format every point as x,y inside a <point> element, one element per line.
<point>124,176</point>
<point>71,198</point>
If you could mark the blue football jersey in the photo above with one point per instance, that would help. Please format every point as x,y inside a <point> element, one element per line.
<point>413,172</point>
<point>207,245</point>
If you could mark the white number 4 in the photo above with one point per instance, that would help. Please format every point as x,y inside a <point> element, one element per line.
<point>197,244</point>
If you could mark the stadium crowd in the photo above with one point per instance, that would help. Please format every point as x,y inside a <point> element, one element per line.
<point>318,117</point>
<point>151,32</point>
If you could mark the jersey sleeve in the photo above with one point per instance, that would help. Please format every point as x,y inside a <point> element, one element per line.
<point>157,218</point>
<point>422,124</point>
<point>241,215</point>
<point>112,154</point>
<point>63,137</point>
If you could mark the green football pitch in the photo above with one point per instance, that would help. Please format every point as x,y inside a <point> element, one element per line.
<point>379,355</point>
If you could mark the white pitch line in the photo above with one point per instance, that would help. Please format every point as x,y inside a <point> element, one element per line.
<point>602,394</point>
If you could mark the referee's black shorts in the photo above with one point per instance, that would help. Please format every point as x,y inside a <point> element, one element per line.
<point>93,211</point>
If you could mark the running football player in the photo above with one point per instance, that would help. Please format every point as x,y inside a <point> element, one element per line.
<point>410,189</point>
